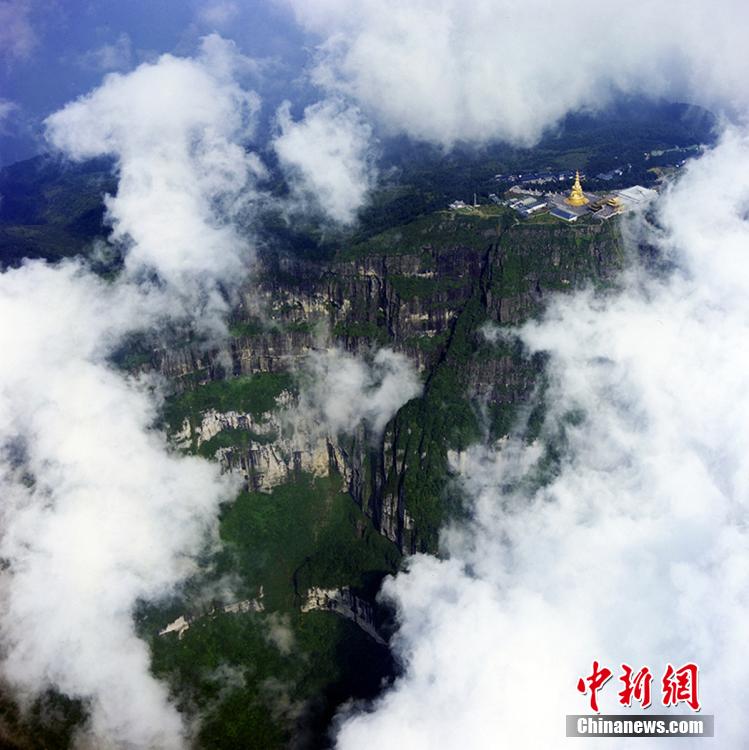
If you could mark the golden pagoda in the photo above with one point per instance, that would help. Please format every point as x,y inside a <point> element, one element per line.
<point>577,197</point>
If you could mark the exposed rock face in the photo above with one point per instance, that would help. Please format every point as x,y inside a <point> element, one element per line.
<point>342,602</point>
<point>275,458</point>
<point>182,624</point>
<point>426,296</point>
<point>265,466</point>
<point>214,422</point>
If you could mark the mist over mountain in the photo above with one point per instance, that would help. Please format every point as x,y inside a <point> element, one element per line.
<point>370,370</point>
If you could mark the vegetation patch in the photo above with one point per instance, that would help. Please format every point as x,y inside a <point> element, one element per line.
<point>427,343</point>
<point>440,230</point>
<point>413,287</point>
<point>304,533</point>
<point>250,394</point>
<point>363,329</point>
<point>247,328</point>
<point>236,439</point>
<point>227,666</point>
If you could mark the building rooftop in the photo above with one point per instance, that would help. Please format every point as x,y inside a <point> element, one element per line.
<point>607,211</point>
<point>563,213</point>
<point>527,209</point>
<point>637,195</point>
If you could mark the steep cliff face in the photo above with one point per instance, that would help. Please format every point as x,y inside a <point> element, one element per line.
<point>324,517</point>
<point>263,449</point>
<point>280,627</point>
<point>475,386</point>
<point>346,604</point>
<point>424,289</point>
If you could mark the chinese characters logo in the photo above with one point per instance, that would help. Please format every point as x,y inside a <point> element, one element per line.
<point>677,685</point>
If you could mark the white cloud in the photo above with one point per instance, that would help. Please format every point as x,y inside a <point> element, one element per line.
<point>115,56</point>
<point>111,517</point>
<point>637,551</point>
<point>495,69</point>
<point>327,158</point>
<point>279,632</point>
<point>98,512</point>
<point>218,14</point>
<point>173,127</point>
<point>224,58</point>
<point>343,391</point>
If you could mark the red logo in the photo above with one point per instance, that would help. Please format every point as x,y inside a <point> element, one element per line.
<point>678,685</point>
<point>596,680</point>
<point>636,686</point>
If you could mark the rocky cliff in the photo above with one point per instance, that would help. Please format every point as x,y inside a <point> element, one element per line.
<point>424,289</point>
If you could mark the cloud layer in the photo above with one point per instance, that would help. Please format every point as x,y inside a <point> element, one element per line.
<point>117,55</point>
<point>327,158</point>
<point>444,72</point>
<point>637,551</point>
<point>98,512</point>
<point>341,391</point>
<point>173,128</point>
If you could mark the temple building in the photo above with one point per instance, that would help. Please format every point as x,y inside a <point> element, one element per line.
<point>606,208</point>
<point>577,204</point>
<point>576,196</point>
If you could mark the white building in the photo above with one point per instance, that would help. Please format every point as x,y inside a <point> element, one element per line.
<point>529,209</point>
<point>636,196</point>
<point>563,214</point>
